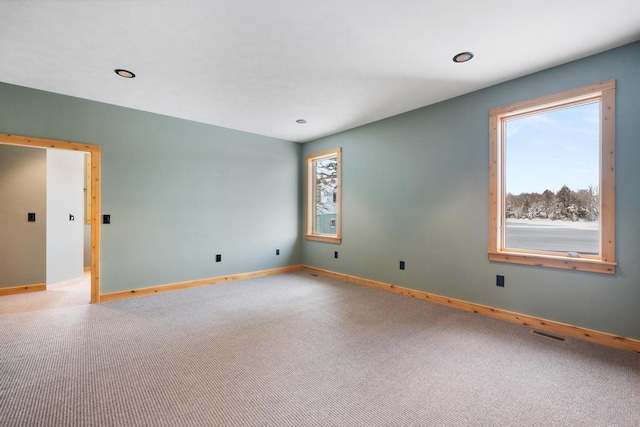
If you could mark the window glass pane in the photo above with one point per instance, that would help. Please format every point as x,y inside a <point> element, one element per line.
<point>552,175</point>
<point>326,187</point>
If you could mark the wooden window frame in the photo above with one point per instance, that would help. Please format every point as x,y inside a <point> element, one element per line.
<point>310,162</point>
<point>604,262</point>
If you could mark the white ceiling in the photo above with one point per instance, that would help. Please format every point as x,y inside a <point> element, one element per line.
<point>258,65</point>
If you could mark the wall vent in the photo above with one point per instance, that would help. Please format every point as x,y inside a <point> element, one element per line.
<point>544,334</point>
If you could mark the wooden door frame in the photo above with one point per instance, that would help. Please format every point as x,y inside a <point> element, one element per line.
<point>94,151</point>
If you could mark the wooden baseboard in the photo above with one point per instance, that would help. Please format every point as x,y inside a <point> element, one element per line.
<point>598,337</point>
<point>23,289</point>
<point>113,296</point>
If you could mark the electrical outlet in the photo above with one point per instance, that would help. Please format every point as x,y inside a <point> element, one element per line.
<point>401,265</point>
<point>335,254</point>
<point>219,258</point>
<point>31,217</point>
<point>106,219</point>
<point>277,251</point>
<point>500,281</point>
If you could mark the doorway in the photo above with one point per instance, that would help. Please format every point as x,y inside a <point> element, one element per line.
<point>93,189</point>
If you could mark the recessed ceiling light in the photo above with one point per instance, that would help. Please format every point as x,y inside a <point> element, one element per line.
<point>463,57</point>
<point>301,121</point>
<point>124,73</point>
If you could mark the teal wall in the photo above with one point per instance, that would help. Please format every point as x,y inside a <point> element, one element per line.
<point>178,192</point>
<point>415,188</point>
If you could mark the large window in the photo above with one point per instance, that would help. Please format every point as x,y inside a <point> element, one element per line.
<point>552,180</point>
<point>323,221</point>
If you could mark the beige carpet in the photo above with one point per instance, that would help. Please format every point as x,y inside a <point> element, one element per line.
<point>78,292</point>
<point>296,350</point>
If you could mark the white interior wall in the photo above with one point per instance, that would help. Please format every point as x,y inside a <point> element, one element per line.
<point>65,197</point>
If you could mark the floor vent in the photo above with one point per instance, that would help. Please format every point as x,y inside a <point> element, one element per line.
<point>544,334</point>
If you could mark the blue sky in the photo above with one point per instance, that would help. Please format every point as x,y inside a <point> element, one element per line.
<point>549,150</point>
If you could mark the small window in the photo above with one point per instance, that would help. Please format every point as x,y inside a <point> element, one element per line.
<point>323,196</point>
<point>552,181</point>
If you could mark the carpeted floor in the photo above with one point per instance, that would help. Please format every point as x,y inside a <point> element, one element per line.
<point>63,294</point>
<point>295,350</point>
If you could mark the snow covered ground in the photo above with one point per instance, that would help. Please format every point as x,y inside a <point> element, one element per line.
<point>549,223</point>
<point>556,236</point>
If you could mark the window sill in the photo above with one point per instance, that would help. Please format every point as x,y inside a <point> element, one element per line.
<point>578,264</point>
<point>323,238</point>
